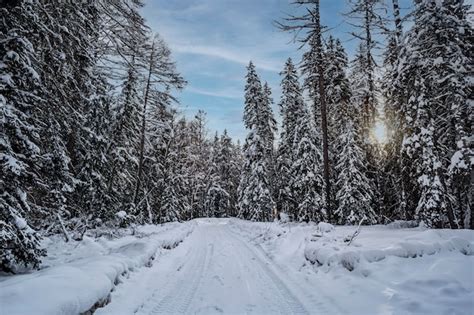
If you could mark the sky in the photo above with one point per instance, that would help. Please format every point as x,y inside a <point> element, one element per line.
<point>213,41</point>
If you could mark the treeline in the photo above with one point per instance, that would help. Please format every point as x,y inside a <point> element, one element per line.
<point>90,134</point>
<point>329,164</point>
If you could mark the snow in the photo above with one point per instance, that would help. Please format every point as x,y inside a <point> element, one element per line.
<point>234,266</point>
<point>11,163</point>
<point>395,270</point>
<point>20,223</point>
<point>121,214</point>
<point>78,275</point>
<point>325,227</point>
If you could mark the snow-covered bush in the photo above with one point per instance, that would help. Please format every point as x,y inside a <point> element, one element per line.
<point>325,227</point>
<point>123,219</point>
<point>400,224</point>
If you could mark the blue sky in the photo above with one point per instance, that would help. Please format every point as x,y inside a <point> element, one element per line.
<point>213,41</point>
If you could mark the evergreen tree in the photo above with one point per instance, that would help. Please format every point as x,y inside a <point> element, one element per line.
<point>291,103</point>
<point>255,200</point>
<point>228,164</point>
<point>270,125</point>
<point>432,69</point>
<point>337,97</point>
<point>125,138</point>
<point>354,191</point>
<point>368,22</point>
<point>217,198</point>
<point>200,163</point>
<point>255,197</point>
<point>313,66</point>
<point>161,75</point>
<point>307,182</point>
<point>19,133</point>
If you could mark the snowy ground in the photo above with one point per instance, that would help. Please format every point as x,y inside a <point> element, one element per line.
<point>239,267</point>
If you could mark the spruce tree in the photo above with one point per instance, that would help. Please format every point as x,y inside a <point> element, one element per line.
<point>216,198</point>
<point>337,97</point>
<point>313,66</point>
<point>255,196</point>
<point>432,81</point>
<point>306,182</point>
<point>354,190</point>
<point>19,151</point>
<point>291,103</point>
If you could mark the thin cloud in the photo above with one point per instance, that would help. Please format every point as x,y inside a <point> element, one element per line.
<point>225,54</point>
<point>226,93</point>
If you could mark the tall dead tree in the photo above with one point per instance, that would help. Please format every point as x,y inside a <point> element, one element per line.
<point>310,24</point>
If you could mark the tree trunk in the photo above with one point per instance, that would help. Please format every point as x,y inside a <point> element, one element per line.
<point>143,129</point>
<point>324,123</point>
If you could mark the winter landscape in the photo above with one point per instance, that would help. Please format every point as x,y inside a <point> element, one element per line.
<point>236,157</point>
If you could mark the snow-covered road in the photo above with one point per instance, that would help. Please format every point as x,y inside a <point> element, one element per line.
<point>214,271</point>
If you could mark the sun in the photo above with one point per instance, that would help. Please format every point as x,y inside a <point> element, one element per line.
<point>380,132</point>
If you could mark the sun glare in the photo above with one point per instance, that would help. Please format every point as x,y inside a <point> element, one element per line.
<point>380,132</point>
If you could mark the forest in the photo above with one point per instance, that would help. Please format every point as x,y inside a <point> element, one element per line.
<point>93,137</point>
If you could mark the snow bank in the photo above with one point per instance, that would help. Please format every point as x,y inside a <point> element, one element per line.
<point>325,227</point>
<point>333,250</point>
<point>385,270</point>
<point>79,276</point>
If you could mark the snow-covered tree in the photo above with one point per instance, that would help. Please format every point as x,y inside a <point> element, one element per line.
<point>227,160</point>
<point>306,182</point>
<point>162,76</point>
<point>19,151</point>
<point>338,97</point>
<point>291,103</point>
<point>255,196</point>
<point>124,139</point>
<point>216,198</point>
<point>354,190</point>
<point>313,67</point>
<point>432,76</point>
<point>269,127</point>
<point>368,22</point>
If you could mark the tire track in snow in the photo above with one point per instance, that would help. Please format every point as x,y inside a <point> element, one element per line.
<point>179,294</point>
<point>218,271</point>
<point>291,304</point>
<point>324,304</point>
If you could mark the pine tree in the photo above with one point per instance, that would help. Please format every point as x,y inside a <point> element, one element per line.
<point>235,166</point>
<point>174,197</point>
<point>270,126</point>
<point>307,183</point>
<point>217,198</point>
<point>313,66</point>
<point>338,96</point>
<point>19,145</point>
<point>256,201</point>
<point>200,162</point>
<point>367,14</point>
<point>367,17</point>
<point>228,168</point>
<point>161,153</point>
<point>354,191</point>
<point>393,195</point>
<point>432,81</point>
<point>255,196</point>
<point>291,103</point>
<point>125,138</point>
<point>360,94</point>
